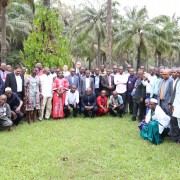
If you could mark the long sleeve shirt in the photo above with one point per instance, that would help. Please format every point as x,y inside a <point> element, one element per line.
<point>131,83</point>
<point>155,87</point>
<point>71,97</point>
<point>120,80</point>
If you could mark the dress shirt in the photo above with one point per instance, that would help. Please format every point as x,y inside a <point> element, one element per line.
<point>66,73</point>
<point>72,98</point>
<point>46,85</point>
<point>19,83</point>
<point>109,80</point>
<point>120,80</point>
<point>3,75</point>
<point>174,82</point>
<point>149,84</point>
<point>131,83</point>
<point>72,79</point>
<point>87,82</point>
<point>97,81</point>
<point>155,87</point>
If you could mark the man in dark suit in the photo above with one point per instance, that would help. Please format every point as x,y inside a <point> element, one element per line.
<point>15,81</point>
<point>88,102</point>
<point>73,79</point>
<point>86,82</point>
<point>97,82</point>
<point>107,83</point>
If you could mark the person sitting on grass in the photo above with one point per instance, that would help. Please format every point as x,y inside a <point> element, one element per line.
<point>88,103</point>
<point>71,102</point>
<point>102,101</point>
<point>116,104</point>
<point>15,104</point>
<point>157,123</point>
<point>5,114</point>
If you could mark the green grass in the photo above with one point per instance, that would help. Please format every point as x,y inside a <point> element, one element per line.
<point>100,148</point>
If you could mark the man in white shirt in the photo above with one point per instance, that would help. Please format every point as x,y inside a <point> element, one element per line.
<point>71,102</point>
<point>46,102</point>
<point>66,72</point>
<point>120,80</point>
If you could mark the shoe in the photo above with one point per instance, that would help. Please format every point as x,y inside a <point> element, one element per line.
<point>75,116</point>
<point>120,115</point>
<point>133,118</point>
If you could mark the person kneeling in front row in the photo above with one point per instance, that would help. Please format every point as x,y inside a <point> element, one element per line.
<point>88,103</point>
<point>116,104</point>
<point>71,102</point>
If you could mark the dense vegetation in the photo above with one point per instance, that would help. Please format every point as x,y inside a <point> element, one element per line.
<point>85,34</point>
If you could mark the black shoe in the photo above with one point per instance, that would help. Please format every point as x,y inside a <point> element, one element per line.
<point>75,116</point>
<point>120,115</point>
<point>133,118</point>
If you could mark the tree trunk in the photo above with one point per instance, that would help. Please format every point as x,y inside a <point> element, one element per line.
<point>159,57</point>
<point>109,31</point>
<point>89,60</point>
<point>3,34</point>
<point>46,3</point>
<point>138,58</point>
<point>99,50</point>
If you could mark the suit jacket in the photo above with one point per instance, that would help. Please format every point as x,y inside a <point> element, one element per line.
<point>105,84</point>
<point>92,100</point>
<point>174,92</point>
<point>168,91</point>
<point>76,81</point>
<point>140,91</point>
<point>11,82</point>
<point>93,76</point>
<point>83,85</point>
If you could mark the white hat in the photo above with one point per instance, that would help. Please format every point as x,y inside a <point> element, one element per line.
<point>154,100</point>
<point>8,89</point>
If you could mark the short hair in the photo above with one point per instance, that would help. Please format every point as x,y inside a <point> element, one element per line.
<point>17,67</point>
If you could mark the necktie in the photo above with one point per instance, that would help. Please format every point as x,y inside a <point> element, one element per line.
<point>162,90</point>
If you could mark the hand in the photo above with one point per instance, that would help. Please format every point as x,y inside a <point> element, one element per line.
<point>60,94</point>
<point>141,100</point>
<point>69,108</point>
<point>14,115</point>
<point>17,110</point>
<point>170,107</point>
<point>105,110</point>
<point>80,95</point>
<point>74,105</point>
<point>113,108</point>
<point>41,96</point>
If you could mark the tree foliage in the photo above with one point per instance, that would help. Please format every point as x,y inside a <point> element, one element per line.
<point>46,44</point>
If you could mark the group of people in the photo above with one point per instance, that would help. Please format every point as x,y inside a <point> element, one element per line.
<point>153,98</point>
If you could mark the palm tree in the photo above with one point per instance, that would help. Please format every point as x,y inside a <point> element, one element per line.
<point>133,32</point>
<point>109,30</point>
<point>3,7</point>
<point>93,20</point>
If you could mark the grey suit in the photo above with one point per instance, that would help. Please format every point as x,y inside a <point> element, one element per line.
<point>75,82</point>
<point>83,85</point>
<point>174,92</point>
<point>168,91</point>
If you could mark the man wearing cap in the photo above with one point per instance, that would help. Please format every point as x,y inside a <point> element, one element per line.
<point>157,123</point>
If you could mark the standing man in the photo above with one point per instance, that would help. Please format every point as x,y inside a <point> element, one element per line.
<point>73,79</point>
<point>175,120</point>
<point>165,91</point>
<point>174,76</point>
<point>130,86</point>
<point>102,70</point>
<point>86,82</point>
<point>39,68</point>
<point>120,80</point>
<point>78,65</point>
<point>115,70</point>
<point>155,87</point>
<point>107,83</point>
<point>71,102</point>
<point>46,81</point>
<point>53,73</point>
<point>3,72</point>
<point>139,95</point>
<point>15,81</point>
<point>65,71</point>
<point>97,82</point>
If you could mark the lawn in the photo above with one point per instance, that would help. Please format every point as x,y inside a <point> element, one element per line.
<point>99,148</point>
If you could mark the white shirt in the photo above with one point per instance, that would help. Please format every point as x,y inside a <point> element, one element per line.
<point>97,79</point>
<point>149,85</point>
<point>87,82</point>
<point>174,82</point>
<point>19,83</point>
<point>46,85</point>
<point>176,103</point>
<point>120,80</point>
<point>66,73</point>
<point>72,98</point>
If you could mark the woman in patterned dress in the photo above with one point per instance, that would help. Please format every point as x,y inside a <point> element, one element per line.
<point>32,95</point>
<point>60,86</point>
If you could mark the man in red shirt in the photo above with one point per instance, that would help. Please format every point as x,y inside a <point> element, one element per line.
<point>102,101</point>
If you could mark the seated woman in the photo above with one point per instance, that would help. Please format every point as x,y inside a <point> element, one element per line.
<point>5,114</point>
<point>102,102</point>
<point>157,123</point>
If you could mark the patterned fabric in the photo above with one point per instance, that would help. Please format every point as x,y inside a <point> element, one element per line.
<point>32,85</point>
<point>58,102</point>
<point>116,101</point>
